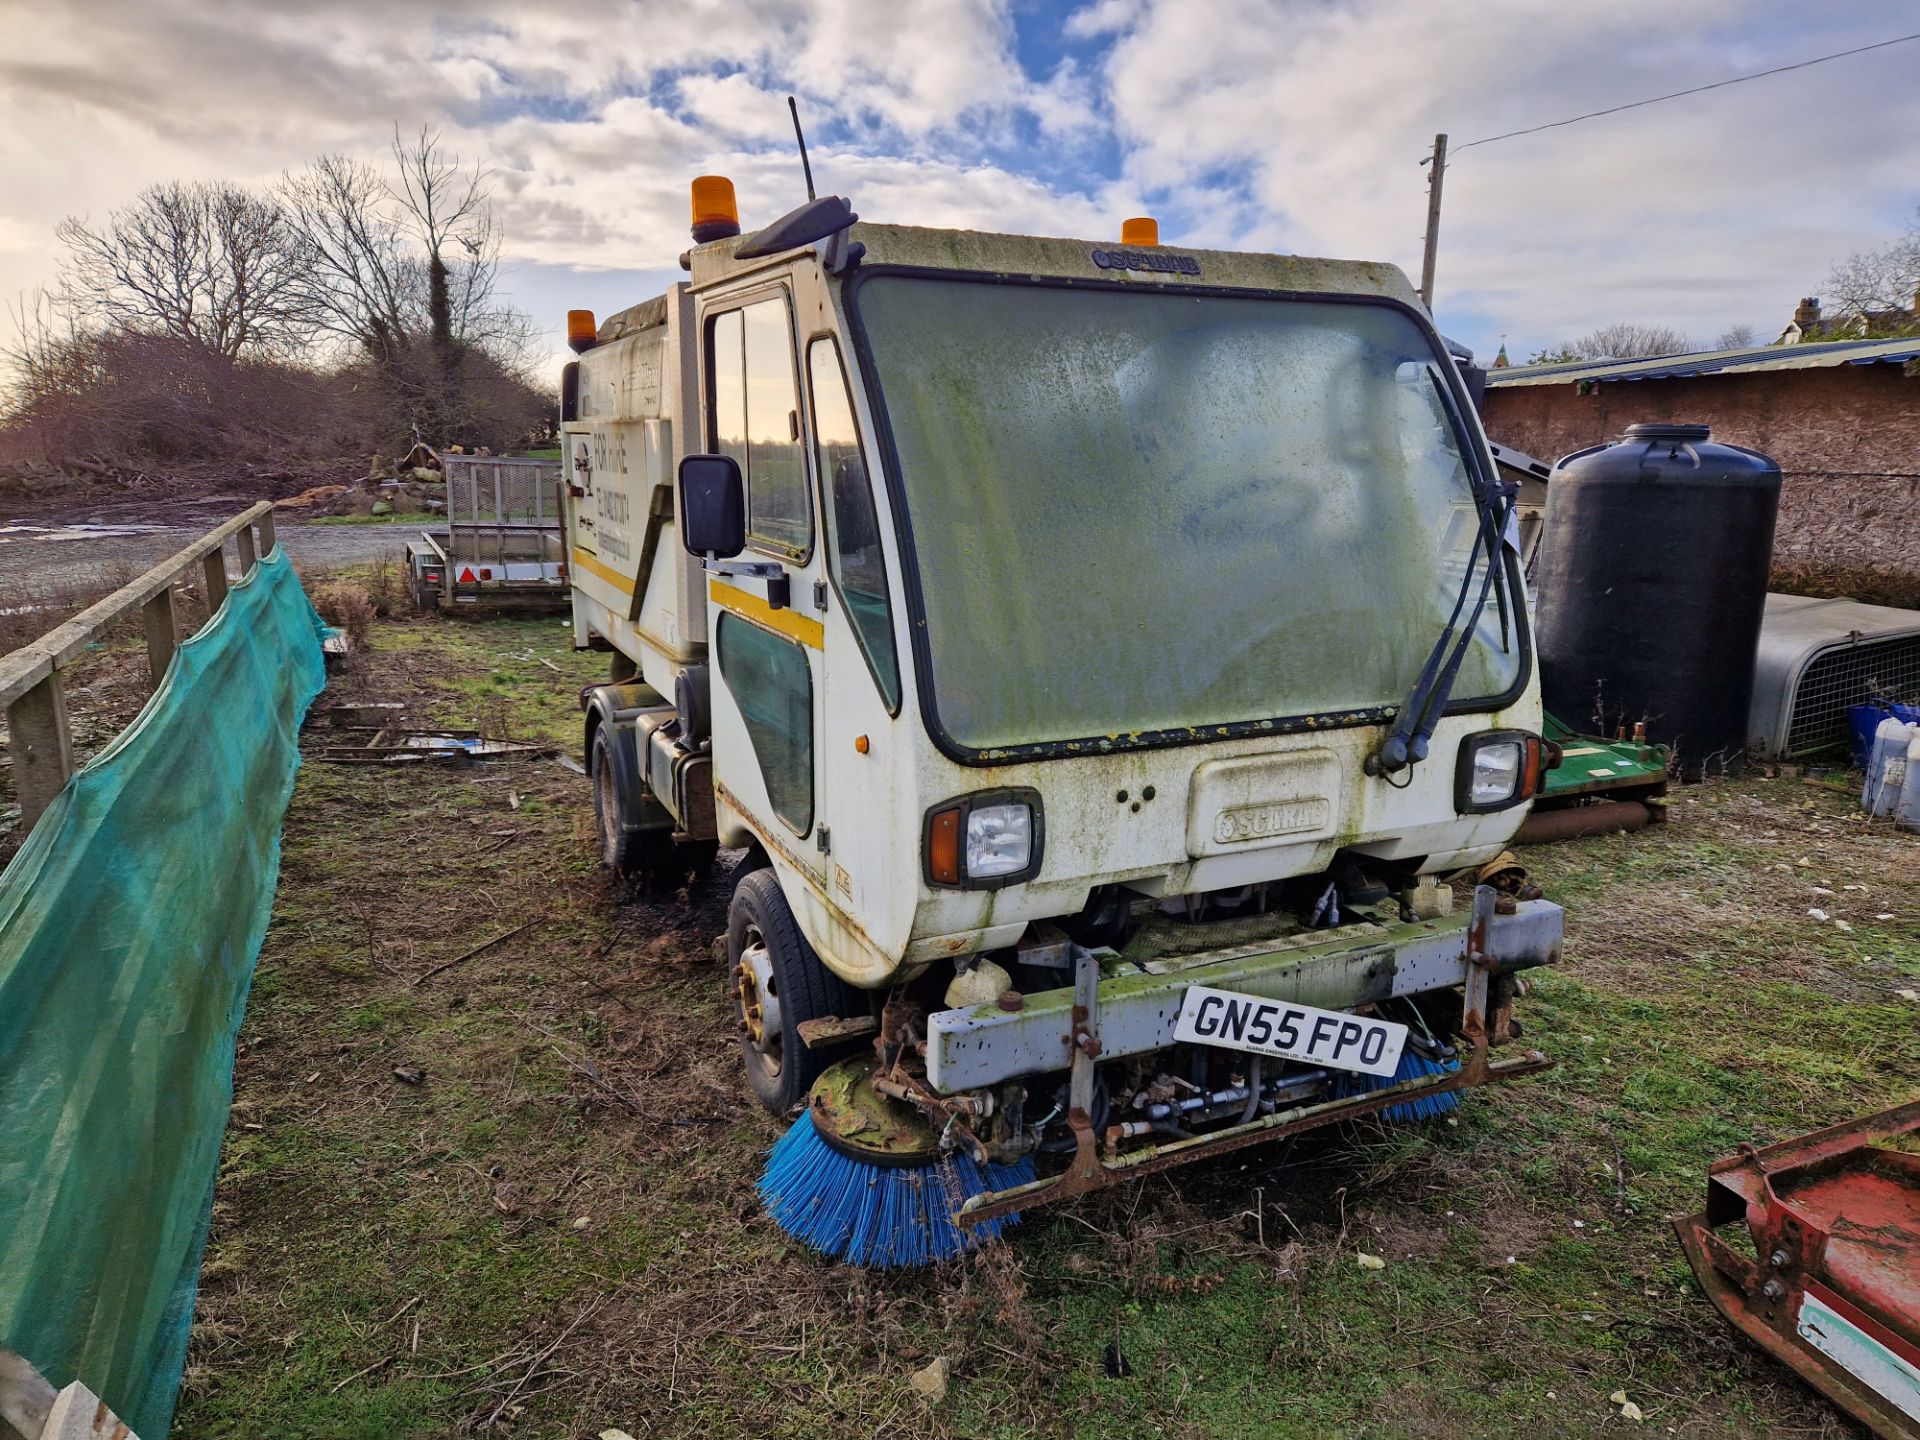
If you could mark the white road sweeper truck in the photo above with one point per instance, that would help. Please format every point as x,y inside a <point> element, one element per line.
<point>1105,654</point>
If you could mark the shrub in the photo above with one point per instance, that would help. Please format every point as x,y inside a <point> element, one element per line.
<point>387,587</point>
<point>348,608</point>
<point>136,401</point>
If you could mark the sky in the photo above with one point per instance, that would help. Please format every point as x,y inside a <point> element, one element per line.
<point>1287,125</point>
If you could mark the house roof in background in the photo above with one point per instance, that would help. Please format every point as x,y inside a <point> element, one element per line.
<point>1811,356</point>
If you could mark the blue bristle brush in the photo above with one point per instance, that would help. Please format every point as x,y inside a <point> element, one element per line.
<point>1413,1066</point>
<point>882,1216</point>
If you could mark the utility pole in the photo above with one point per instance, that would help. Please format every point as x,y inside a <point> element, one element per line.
<point>1436,177</point>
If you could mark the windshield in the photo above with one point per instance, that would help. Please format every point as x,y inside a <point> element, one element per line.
<point>1138,510</point>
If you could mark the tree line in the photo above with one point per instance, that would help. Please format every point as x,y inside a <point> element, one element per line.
<point>372,291</point>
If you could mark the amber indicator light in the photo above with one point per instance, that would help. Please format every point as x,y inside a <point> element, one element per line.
<point>943,848</point>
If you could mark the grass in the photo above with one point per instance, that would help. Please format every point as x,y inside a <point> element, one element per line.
<point>555,1232</point>
<point>417,517</point>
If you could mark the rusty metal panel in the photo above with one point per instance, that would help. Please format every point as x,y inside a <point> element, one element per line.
<point>1833,1289</point>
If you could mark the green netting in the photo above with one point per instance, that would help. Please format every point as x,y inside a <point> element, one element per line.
<point>129,923</point>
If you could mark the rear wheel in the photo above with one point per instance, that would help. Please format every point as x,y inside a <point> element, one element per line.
<point>621,849</point>
<point>778,984</point>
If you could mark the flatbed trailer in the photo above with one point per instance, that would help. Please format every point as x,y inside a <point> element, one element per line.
<point>502,542</point>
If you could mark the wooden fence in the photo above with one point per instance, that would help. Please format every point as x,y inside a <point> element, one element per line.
<point>40,738</point>
<point>32,1409</point>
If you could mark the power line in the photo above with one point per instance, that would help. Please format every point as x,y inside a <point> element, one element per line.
<point>1696,90</point>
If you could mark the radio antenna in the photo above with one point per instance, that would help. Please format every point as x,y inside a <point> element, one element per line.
<point>794,106</point>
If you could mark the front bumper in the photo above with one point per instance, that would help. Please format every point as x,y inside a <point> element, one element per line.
<point>1357,965</point>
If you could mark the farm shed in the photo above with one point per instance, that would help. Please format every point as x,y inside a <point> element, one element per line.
<point>1842,418</point>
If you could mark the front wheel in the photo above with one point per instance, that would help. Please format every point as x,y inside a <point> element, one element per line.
<point>778,983</point>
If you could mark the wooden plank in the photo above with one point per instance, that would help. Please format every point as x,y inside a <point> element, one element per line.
<point>266,533</point>
<point>216,575</point>
<point>243,538</point>
<point>163,634</point>
<point>835,1029</point>
<point>79,1414</point>
<point>25,1396</point>
<point>41,746</point>
<point>30,664</point>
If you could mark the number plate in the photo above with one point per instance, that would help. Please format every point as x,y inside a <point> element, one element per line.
<point>1291,1032</point>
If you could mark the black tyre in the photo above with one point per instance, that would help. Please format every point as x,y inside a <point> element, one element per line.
<point>426,597</point>
<point>628,852</point>
<point>778,983</point>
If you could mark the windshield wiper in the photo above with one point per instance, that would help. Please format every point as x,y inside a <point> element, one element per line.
<point>1420,712</point>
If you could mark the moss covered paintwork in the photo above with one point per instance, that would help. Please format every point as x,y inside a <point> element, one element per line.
<point>856,1120</point>
<point>991,253</point>
<point>1375,943</point>
<point>987,252</point>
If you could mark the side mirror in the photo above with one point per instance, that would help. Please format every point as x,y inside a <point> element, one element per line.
<point>1475,379</point>
<point>713,506</point>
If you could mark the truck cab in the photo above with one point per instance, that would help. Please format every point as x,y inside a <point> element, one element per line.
<point>1005,597</point>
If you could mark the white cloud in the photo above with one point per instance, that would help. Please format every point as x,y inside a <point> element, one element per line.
<point>1260,123</point>
<point>733,106</point>
<point>1103,17</point>
<point>1697,212</point>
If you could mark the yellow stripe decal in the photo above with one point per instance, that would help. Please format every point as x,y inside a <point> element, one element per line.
<point>583,561</point>
<point>782,622</point>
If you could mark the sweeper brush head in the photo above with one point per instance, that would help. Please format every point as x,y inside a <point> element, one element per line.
<point>1412,1067</point>
<point>878,1215</point>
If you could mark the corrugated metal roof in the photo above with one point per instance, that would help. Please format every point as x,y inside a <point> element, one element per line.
<point>1715,362</point>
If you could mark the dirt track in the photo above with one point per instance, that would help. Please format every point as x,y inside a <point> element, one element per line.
<point>47,558</point>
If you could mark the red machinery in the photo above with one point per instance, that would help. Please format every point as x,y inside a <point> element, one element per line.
<point>1832,1287</point>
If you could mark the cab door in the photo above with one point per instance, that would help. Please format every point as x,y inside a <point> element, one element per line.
<point>871,874</point>
<point>764,633</point>
<point>583,503</point>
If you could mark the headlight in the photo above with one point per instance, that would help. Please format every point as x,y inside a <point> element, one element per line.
<point>1497,770</point>
<point>984,841</point>
<point>1496,773</point>
<point>999,840</point>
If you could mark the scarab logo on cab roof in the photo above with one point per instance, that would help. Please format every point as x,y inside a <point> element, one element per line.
<point>1146,260</point>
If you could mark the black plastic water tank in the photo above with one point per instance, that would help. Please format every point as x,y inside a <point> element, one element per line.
<point>1652,579</point>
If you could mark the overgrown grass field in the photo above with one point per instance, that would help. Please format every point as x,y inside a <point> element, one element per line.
<point>553,1231</point>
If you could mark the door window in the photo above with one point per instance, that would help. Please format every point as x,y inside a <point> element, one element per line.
<point>756,419</point>
<point>853,529</point>
<point>772,684</point>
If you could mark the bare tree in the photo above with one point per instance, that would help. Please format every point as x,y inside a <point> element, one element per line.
<point>1872,285</point>
<point>1625,340</point>
<point>46,352</point>
<point>360,280</point>
<point>406,271</point>
<point>446,208</point>
<point>205,262</point>
<point>1735,337</point>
